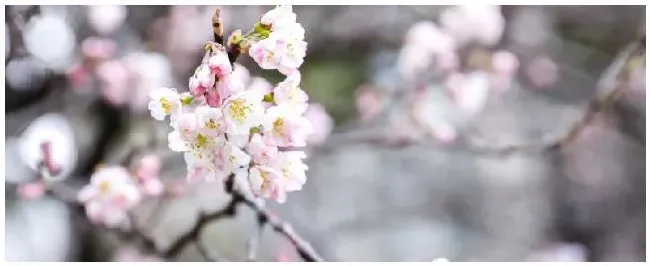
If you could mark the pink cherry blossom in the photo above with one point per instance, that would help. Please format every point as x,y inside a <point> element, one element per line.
<point>109,196</point>
<point>543,72</point>
<point>475,23</point>
<point>285,128</point>
<point>264,182</point>
<point>368,101</point>
<point>151,186</point>
<point>220,65</point>
<point>321,121</point>
<point>229,85</point>
<point>505,63</point>
<point>469,92</point>
<point>289,93</point>
<point>114,78</point>
<point>261,152</point>
<point>149,167</point>
<point>98,48</point>
<point>202,80</point>
<point>281,51</point>
<point>30,191</point>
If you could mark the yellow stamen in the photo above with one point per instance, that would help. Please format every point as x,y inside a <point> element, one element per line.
<point>201,141</point>
<point>105,187</point>
<point>239,110</point>
<point>278,126</point>
<point>212,124</point>
<point>166,105</point>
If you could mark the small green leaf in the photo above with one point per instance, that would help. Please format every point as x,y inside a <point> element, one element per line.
<point>187,100</point>
<point>268,98</point>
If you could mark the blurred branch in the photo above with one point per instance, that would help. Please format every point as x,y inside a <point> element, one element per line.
<point>610,89</point>
<point>254,241</point>
<point>608,92</point>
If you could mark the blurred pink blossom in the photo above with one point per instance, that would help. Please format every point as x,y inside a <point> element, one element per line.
<point>425,42</point>
<point>504,67</point>
<point>427,34</point>
<point>80,77</point>
<point>31,191</point>
<point>98,48</point>
<point>322,124</point>
<point>149,167</point>
<point>475,23</point>
<point>369,102</point>
<point>505,63</point>
<point>106,19</point>
<point>469,91</point>
<point>151,186</point>
<point>114,78</point>
<point>446,62</point>
<point>543,72</point>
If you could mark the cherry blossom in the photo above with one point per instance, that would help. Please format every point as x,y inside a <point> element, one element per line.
<point>164,102</point>
<point>109,196</point>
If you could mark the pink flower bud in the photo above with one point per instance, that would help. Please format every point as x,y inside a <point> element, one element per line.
<point>149,167</point>
<point>98,48</point>
<point>505,63</point>
<point>196,88</point>
<point>542,72</point>
<point>229,85</point>
<point>152,187</point>
<point>213,98</point>
<point>321,122</point>
<point>115,81</point>
<point>31,191</point>
<point>220,65</point>
<point>80,77</point>
<point>368,102</point>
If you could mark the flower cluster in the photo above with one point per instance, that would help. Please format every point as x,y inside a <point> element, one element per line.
<point>113,191</point>
<point>285,48</point>
<point>224,127</point>
<point>466,84</point>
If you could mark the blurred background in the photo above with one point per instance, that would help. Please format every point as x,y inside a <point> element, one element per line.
<point>380,187</point>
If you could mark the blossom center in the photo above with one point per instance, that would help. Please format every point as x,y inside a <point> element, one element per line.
<point>239,110</point>
<point>166,105</point>
<point>212,124</point>
<point>201,141</point>
<point>105,187</point>
<point>278,126</point>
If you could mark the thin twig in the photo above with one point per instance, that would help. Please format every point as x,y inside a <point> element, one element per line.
<point>205,252</point>
<point>303,247</point>
<point>253,243</point>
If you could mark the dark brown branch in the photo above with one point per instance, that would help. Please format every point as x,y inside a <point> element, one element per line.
<point>193,234</point>
<point>303,247</point>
